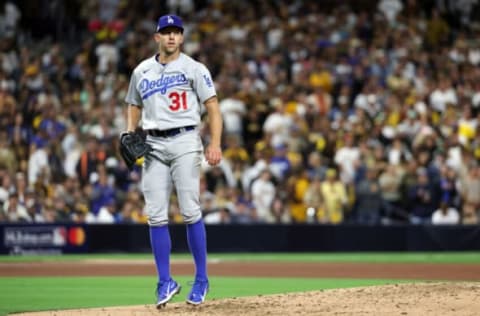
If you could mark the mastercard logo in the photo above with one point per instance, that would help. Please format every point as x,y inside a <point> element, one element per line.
<point>76,236</point>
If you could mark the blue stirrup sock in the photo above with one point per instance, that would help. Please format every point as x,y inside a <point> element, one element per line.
<point>161,247</point>
<point>197,242</point>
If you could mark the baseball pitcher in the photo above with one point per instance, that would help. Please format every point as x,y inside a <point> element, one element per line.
<point>167,92</point>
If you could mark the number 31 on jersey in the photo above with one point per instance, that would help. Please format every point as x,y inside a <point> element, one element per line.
<point>178,101</point>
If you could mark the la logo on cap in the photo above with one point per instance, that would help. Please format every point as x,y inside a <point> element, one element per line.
<point>170,20</point>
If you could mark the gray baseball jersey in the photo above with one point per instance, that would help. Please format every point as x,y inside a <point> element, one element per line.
<point>171,96</point>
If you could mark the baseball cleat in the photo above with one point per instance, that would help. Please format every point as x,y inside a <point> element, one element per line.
<point>166,291</point>
<point>198,293</point>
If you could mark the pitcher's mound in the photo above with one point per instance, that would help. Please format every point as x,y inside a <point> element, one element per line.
<point>397,299</point>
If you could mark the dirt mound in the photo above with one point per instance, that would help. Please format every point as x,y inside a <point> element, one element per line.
<point>443,298</point>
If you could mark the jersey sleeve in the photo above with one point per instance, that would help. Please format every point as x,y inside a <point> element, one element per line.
<point>133,97</point>
<point>203,83</point>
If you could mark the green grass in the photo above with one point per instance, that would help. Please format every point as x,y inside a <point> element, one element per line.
<point>400,257</point>
<point>19,294</point>
<point>434,257</point>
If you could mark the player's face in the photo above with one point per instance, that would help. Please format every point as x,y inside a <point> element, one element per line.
<point>169,40</point>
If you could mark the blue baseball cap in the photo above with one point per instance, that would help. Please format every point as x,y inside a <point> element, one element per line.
<point>168,21</point>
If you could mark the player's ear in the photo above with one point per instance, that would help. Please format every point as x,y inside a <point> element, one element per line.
<point>156,37</point>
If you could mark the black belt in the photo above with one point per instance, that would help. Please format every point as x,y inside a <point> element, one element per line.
<point>170,132</point>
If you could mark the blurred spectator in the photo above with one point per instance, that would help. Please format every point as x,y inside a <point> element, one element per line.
<point>9,57</point>
<point>80,213</point>
<point>234,151</point>
<point>90,157</point>
<point>252,172</point>
<point>469,188</point>
<point>19,134</point>
<point>385,83</point>
<point>10,15</point>
<point>55,161</point>
<point>224,201</point>
<point>263,193</point>
<point>7,155</point>
<point>218,206</point>
<point>316,167</point>
<point>398,152</point>
<point>470,215</point>
<point>320,100</point>
<point>103,191</point>
<point>423,198</point>
<point>126,213</point>
<point>390,9</point>
<point>252,125</point>
<point>220,175</point>
<point>280,211</point>
<point>7,186</point>
<point>279,164</point>
<point>21,187</point>
<point>63,213</point>
<point>138,213</point>
<point>183,7</point>
<point>369,204</point>
<point>346,158</point>
<point>13,210</point>
<point>207,201</point>
<point>313,199</point>
<point>335,195</point>
<point>390,184</point>
<point>410,126</point>
<point>34,207</point>
<point>233,110</point>
<point>445,215</point>
<point>277,124</point>
<point>219,216</point>
<point>443,95</point>
<point>448,186</point>
<point>71,192</point>
<point>107,214</point>
<point>48,212</point>
<point>437,30</point>
<point>467,126</point>
<point>244,212</point>
<point>38,163</point>
<point>296,187</point>
<point>50,124</point>
<point>107,54</point>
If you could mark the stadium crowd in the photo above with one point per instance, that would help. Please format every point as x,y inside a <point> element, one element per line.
<point>361,112</point>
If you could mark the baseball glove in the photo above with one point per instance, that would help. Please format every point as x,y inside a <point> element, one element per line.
<point>132,147</point>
